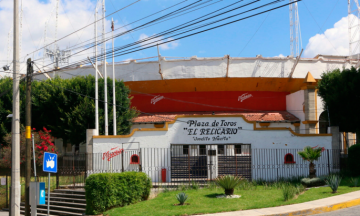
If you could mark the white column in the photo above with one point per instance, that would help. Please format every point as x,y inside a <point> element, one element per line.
<point>113,59</point>
<point>96,79</point>
<point>105,73</point>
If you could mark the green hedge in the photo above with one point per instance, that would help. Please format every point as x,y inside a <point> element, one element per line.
<point>106,190</point>
<point>354,159</point>
<point>312,182</point>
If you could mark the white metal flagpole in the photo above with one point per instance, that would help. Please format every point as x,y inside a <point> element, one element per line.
<point>113,59</point>
<point>96,78</point>
<point>105,73</point>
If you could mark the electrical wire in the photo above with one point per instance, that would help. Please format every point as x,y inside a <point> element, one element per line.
<point>120,54</point>
<point>150,114</point>
<point>129,31</point>
<point>84,27</point>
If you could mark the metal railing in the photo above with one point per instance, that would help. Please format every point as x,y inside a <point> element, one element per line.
<point>186,164</point>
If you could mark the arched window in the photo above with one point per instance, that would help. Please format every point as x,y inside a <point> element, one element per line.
<point>134,159</point>
<point>289,158</point>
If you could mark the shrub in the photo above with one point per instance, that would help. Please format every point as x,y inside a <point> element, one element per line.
<point>195,185</point>
<point>228,183</point>
<point>211,185</point>
<point>299,188</point>
<point>43,143</point>
<point>354,160</point>
<point>106,190</point>
<point>333,181</point>
<point>289,191</point>
<point>244,185</point>
<point>354,182</point>
<point>181,197</point>
<point>182,187</point>
<point>165,189</point>
<point>312,182</point>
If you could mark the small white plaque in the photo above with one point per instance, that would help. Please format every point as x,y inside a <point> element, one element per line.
<point>3,181</point>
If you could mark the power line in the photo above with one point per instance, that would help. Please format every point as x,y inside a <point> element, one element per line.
<point>150,114</point>
<point>85,27</point>
<point>170,40</point>
<point>202,104</point>
<point>92,43</point>
<point>254,34</point>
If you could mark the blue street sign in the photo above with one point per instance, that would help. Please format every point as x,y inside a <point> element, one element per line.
<point>42,193</point>
<point>50,162</point>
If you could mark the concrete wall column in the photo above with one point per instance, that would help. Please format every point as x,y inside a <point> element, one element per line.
<point>310,110</point>
<point>89,148</point>
<point>310,104</point>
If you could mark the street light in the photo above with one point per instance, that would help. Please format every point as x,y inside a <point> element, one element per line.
<point>9,116</point>
<point>6,67</point>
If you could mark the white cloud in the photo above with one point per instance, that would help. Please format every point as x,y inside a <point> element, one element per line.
<point>73,15</point>
<point>280,56</point>
<point>334,41</point>
<point>165,46</point>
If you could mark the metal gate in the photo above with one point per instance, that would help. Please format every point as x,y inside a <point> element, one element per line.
<point>206,162</point>
<point>188,162</point>
<point>234,160</point>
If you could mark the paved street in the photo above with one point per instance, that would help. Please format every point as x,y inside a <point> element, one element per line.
<point>352,211</point>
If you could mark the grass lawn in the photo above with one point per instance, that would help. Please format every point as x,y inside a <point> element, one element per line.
<point>205,201</point>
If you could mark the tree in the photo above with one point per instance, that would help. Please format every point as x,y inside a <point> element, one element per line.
<point>6,105</point>
<point>340,91</point>
<point>311,154</point>
<point>67,108</point>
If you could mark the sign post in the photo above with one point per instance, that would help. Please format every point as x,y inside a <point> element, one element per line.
<point>50,166</point>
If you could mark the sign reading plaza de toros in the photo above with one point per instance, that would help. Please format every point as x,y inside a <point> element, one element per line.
<point>216,130</point>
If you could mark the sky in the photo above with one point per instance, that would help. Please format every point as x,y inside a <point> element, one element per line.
<point>324,29</point>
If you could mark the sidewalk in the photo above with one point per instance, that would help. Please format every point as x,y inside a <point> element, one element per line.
<point>308,208</point>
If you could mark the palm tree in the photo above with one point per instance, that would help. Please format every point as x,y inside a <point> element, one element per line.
<point>311,154</point>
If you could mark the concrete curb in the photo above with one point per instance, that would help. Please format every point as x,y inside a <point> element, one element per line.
<point>321,210</point>
<point>307,208</point>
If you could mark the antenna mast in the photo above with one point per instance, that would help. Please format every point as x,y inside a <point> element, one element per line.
<point>56,55</point>
<point>295,31</point>
<point>354,30</point>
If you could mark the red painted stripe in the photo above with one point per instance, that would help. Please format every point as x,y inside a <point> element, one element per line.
<point>217,101</point>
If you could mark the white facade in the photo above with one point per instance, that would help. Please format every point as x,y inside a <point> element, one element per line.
<point>157,152</point>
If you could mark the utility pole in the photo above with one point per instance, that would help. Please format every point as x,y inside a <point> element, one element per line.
<point>96,78</point>
<point>15,138</point>
<point>29,73</point>
<point>105,73</point>
<point>113,61</point>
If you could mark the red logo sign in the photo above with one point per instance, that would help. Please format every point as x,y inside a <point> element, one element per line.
<point>112,153</point>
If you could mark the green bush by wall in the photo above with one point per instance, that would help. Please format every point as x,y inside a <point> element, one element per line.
<point>354,160</point>
<point>106,190</point>
<point>312,182</point>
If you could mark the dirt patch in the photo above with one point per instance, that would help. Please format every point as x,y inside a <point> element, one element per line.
<point>182,204</point>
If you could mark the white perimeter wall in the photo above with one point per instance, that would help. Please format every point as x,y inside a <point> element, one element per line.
<point>210,68</point>
<point>182,133</point>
